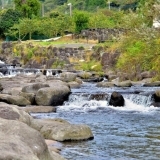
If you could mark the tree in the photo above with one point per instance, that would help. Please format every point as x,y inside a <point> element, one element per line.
<point>47,27</point>
<point>28,8</point>
<point>8,19</point>
<point>52,27</point>
<point>17,32</point>
<point>24,27</point>
<point>65,23</point>
<point>81,20</point>
<point>29,26</point>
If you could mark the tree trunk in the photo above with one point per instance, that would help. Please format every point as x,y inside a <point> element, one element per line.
<point>30,35</point>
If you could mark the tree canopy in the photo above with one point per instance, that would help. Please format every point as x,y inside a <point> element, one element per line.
<point>28,8</point>
<point>8,19</point>
<point>81,19</point>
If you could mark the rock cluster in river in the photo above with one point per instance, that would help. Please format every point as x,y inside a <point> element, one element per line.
<point>23,94</point>
<point>22,136</point>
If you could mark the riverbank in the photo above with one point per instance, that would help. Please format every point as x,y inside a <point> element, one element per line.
<point>38,93</point>
<point>18,92</point>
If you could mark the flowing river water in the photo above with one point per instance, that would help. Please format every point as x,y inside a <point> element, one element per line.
<point>131,132</point>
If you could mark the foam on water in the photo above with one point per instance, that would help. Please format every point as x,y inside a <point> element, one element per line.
<point>1,62</point>
<point>82,105</point>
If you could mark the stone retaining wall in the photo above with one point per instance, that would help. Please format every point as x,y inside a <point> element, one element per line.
<point>103,34</point>
<point>47,55</point>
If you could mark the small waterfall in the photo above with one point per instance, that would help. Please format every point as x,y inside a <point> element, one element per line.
<point>83,102</point>
<point>139,99</point>
<point>1,62</point>
<point>49,73</point>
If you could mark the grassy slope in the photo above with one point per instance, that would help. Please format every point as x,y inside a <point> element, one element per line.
<point>66,41</point>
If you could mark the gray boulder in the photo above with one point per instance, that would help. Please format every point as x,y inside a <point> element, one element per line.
<point>16,100</point>
<point>52,96</point>
<point>33,88</point>
<point>116,99</point>
<point>15,91</point>
<point>29,96</point>
<point>13,112</point>
<point>61,130</point>
<point>68,76</point>
<point>21,142</point>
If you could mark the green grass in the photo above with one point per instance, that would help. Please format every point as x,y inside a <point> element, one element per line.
<point>42,43</point>
<point>63,41</point>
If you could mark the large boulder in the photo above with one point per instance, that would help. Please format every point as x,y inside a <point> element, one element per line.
<point>12,112</point>
<point>33,88</point>
<point>21,142</point>
<point>16,100</point>
<point>116,99</point>
<point>68,76</point>
<point>61,130</point>
<point>146,74</point>
<point>52,96</point>
<point>29,96</point>
<point>109,59</point>
<point>15,91</point>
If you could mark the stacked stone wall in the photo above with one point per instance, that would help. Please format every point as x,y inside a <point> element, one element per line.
<point>103,34</point>
<point>48,55</point>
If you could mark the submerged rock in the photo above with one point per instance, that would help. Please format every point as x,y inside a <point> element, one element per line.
<point>156,98</point>
<point>116,99</point>
<point>98,96</point>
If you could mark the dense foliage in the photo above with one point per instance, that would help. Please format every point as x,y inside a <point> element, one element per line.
<point>28,8</point>
<point>8,19</point>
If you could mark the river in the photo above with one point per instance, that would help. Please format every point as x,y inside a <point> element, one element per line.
<point>131,132</point>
